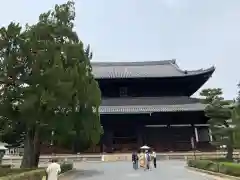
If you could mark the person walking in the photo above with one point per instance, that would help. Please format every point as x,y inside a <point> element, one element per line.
<point>142,159</point>
<point>147,160</point>
<point>154,155</point>
<point>135,160</point>
<point>53,170</point>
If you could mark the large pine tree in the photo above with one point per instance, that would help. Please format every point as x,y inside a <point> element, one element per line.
<point>220,113</point>
<point>238,96</point>
<point>47,82</point>
<point>236,120</point>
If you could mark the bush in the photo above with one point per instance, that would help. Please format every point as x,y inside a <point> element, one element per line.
<point>5,166</point>
<point>66,167</point>
<point>229,168</point>
<point>9,171</point>
<point>224,167</point>
<point>29,174</point>
<point>204,164</point>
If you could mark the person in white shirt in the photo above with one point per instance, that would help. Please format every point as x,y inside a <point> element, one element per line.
<point>53,170</point>
<point>154,155</point>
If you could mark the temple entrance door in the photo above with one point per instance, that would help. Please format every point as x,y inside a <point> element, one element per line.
<point>124,140</point>
<point>157,137</point>
<point>173,138</point>
<point>180,138</point>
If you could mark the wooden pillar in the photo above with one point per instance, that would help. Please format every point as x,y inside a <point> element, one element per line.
<point>196,134</point>
<point>210,135</point>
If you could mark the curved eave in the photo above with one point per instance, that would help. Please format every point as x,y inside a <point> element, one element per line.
<point>198,79</point>
<point>200,72</point>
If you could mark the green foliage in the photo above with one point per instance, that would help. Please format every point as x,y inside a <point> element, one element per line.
<point>33,174</point>
<point>236,121</point>
<point>6,171</point>
<point>238,96</point>
<point>210,95</point>
<point>5,166</point>
<point>228,168</point>
<point>47,82</point>
<point>219,112</point>
<point>203,164</point>
<point>220,122</point>
<point>66,167</point>
<point>2,153</point>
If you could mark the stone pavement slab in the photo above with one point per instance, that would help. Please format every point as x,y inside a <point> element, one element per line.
<point>166,170</point>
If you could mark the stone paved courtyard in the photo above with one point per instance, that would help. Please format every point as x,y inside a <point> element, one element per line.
<point>167,170</point>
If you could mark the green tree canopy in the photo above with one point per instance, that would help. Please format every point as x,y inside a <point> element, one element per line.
<point>236,121</point>
<point>47,82</point>
<point>219,112</point>
<point>238,96</point>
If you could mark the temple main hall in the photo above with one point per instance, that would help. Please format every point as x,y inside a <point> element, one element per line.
<point>150,103</point>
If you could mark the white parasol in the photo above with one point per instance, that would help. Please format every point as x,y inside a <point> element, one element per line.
<point>2,146</point>
<point>145,147</point>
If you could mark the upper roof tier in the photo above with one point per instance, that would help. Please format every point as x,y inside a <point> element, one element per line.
<point>147,69</point>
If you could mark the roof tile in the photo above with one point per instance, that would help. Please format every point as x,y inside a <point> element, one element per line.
<point>150,105</point>
<point>148,69</point>
<point>150,109</point>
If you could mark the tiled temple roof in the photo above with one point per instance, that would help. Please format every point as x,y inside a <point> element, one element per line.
<point>150,105</point>
<point>148,69</point>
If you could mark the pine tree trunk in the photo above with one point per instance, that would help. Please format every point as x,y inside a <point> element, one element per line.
<point>1,156</point>
<point>31,150</point>
<point>230,148</point>
<point>229,155</point>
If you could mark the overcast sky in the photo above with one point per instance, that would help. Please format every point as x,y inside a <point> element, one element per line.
<point>198,33</point>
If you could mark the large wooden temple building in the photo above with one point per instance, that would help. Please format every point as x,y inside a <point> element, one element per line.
<point>150,103</point>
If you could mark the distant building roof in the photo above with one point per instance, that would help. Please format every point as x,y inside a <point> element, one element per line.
<point>150,105</point>
<point>150,69</point>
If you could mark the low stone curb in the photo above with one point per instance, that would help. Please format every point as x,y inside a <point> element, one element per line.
<point>214,173</point>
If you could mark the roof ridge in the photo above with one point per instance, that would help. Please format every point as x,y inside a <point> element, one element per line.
<point>134,63</point>
<point>151,97</point>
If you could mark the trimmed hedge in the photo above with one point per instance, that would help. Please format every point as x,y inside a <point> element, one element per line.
<point>28,174</point>
<point>9,171</point>
<point>5,166</point>
<point>66,167</point>
<point>228,168</point>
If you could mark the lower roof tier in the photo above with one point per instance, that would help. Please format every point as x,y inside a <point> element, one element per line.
<point>150,105</point>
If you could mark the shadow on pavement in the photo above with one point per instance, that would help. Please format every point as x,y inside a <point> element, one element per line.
<point>86,173</point>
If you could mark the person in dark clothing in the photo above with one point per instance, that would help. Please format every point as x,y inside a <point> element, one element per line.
<point>154,155</point>
<point>135,160</point>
